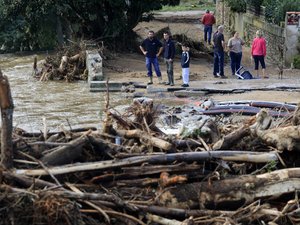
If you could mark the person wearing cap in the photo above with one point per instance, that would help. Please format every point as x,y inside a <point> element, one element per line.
<point>208,20</point>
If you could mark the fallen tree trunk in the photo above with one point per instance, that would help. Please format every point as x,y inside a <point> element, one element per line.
<point>134,172</point>
<point>28,181</point>
<point>229,140</point>
<point>165,221</point>
<point>245,215</point>
<point>254,157</point>
<point>231,193</point>
<point>7,107</point>
<point>282,138</point>
<point>105,146</point>
<point>66,154</point>
<point>63,64</point>
<point>76,130</point>
<point>143,136</point>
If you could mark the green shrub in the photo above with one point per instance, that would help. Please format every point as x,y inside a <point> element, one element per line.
<point>276,9</point>
<point>237,6</point>
<point>296,62</point>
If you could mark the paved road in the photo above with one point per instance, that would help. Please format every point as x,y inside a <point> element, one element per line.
<point>188,14</point>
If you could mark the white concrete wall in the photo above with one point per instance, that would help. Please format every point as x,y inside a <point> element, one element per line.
<point>292,36</point>
<point>94,65</point>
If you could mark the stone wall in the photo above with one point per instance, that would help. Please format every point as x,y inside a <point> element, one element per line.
<point>223,14</point>
<point>248,23</point>
<point>273,34</point>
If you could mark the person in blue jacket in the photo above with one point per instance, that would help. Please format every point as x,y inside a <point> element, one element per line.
<point>169,54</point>
<point>152,48</point>
<point>185,65</point>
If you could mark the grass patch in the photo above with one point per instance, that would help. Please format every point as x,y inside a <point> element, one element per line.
<point>186,5</point>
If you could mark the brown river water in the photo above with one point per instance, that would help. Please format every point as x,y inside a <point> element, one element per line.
<point>60,103</point>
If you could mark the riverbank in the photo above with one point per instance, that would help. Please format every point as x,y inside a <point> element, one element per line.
<point>131,66</point>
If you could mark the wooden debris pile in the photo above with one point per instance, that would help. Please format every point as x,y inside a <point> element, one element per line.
<point>68,64</point>
<point>133,173</point>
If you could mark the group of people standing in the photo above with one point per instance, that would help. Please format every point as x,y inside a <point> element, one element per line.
<point>235,43</point>
<point>152,48</point>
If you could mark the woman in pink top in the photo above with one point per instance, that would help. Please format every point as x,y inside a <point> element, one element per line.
<point>258,52</point>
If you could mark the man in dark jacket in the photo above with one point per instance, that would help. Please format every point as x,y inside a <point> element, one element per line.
<point>152,48</point>
<point>169,54</point>
<point>219,45</point>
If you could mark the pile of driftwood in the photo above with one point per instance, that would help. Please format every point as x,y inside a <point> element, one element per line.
<point>68,64</point>
<point>133,173</point>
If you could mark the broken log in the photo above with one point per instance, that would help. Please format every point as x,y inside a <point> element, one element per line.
<point>134,172</point>
<point>296,116</point>
<point>231,139</point>
<point>77,167</point>
<point>154,141</point>
<point>74,58</point>
<point>253,157</point>
<point>28,181</point>
<point>63,64</point>
<point>66,154</point>
<point>106,147</point>
<point>165,221</point>
<point>7,108</point>
<point>231,193</point>
<point>35,69</point>
<point>282,138</point>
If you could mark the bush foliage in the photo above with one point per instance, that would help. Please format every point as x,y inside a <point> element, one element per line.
<point>35,24</point>
<point>237,6</point>
<point>296,62</point>
<point>276,9</point>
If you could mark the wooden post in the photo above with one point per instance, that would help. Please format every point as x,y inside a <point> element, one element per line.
<point>7,106</point>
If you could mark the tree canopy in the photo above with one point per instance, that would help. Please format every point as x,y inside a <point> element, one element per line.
<point>275,9</point>
<point>42,24</point>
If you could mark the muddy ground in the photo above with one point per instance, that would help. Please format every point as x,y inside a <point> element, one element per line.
<point>131,66</point>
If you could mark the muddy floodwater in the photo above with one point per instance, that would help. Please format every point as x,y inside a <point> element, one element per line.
<point>61,103</point>
<point>70,105</point>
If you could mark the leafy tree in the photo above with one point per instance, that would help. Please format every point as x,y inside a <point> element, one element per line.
<point>276,9</point>
<point>237,5</point>
<point>41,24</point>
<point>256,4</point>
